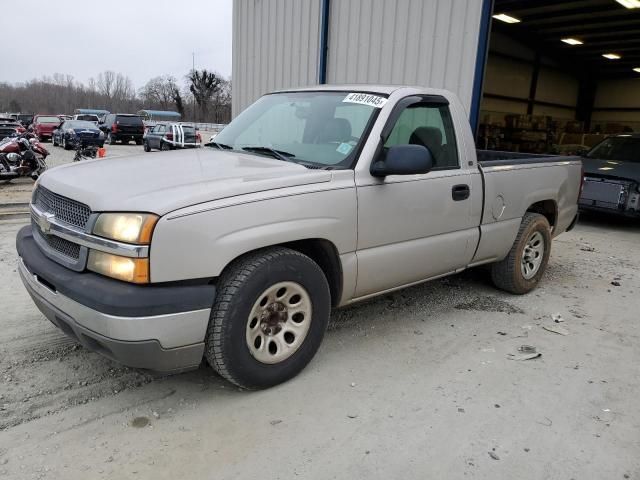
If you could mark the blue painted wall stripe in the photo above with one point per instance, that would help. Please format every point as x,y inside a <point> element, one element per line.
<point>481,62</point>
<point>324,41</point>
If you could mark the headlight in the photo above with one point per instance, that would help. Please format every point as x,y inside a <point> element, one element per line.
<point>134,270</point>
<point>126,227</point>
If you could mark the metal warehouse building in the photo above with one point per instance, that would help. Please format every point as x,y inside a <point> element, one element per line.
<point>538,76</point>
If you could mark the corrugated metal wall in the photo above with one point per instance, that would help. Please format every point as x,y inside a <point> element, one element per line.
<point>275,45</point>
<point>419,42</point>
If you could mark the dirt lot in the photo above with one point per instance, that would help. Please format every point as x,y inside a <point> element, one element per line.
<point>416,384</point>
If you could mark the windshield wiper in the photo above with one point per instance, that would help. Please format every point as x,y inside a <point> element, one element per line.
<point>221,146</point>
<point>279,154</point>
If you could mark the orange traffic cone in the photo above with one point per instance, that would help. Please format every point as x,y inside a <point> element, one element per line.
<point>102,152</point>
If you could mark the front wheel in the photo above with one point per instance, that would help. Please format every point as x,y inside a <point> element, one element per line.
<point>521,270</point>
<point>269,317</point>
<point>147,148</point>
<point>53,142</point>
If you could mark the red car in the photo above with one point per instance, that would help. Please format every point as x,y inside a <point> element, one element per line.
<point>44,125</point>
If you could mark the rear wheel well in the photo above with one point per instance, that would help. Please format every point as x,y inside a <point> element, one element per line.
<point>547,208</point>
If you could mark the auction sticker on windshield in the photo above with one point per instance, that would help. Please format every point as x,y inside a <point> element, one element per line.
<point>366,99</point>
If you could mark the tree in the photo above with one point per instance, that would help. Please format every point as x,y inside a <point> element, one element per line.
<point>105,83</point>
<point>159,92</point>
<point>203,86</point>
<point>177,99</point>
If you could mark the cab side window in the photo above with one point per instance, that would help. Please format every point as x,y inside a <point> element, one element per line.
<point>430,126</point>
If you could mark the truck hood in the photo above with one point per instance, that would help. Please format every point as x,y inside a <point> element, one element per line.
<point>612,168</point>
<point>163,182</point>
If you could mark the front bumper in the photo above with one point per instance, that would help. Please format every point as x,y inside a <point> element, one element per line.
<point>156,327</point>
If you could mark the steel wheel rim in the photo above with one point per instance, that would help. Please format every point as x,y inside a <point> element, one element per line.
<point>532,255</point>
<point>279,322</point>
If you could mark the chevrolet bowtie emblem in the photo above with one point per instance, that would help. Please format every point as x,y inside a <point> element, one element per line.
<point>44,221</point>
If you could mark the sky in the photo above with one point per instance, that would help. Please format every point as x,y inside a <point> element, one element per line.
<point>139,38</point>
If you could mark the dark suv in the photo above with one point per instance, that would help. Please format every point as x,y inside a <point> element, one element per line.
<point>123,127</point>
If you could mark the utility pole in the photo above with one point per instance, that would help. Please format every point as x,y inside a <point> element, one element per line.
<point>193,69</point>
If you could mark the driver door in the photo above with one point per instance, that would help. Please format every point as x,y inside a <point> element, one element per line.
<point>415,227</point>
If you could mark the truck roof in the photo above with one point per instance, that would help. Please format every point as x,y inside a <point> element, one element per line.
<point>384,89</point>
<point>379,89</point>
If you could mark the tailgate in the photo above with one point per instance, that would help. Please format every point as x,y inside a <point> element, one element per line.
<point>128,126</point>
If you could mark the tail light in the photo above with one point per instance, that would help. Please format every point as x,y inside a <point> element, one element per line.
<point>169,136</point>
<point>114,127</point>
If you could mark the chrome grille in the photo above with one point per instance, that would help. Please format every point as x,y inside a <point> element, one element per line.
<point>66,210</point>
<point>62,246</point>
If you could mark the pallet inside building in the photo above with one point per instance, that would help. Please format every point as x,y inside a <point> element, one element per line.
<point>560,76</point>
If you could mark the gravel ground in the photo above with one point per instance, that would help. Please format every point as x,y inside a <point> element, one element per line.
<point>422,383</point>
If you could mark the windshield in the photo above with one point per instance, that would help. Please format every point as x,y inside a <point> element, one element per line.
<point>49,120</point>
<point>321,128</point>
<point>80,124</point>
<point>625,149</point>
<point>90,118</point>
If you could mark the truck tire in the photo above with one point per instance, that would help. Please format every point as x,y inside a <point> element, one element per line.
<point>268,319</point>
<point>523,267</point>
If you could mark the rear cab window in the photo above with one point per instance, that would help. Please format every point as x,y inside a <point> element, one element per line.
<point>129,120</point>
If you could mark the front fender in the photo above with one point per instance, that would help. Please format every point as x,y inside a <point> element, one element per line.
<point>201,244</point>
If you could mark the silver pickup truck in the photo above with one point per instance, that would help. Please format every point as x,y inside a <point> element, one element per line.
<point>310,199</point>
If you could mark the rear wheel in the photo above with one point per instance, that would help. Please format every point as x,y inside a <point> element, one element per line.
<point>53,141</point>
<point>164,146</point>
<point>65,145</point>
<point>269,317</point>
<point>521,270</point>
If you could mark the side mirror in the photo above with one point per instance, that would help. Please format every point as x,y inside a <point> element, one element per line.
<point>403,160</point>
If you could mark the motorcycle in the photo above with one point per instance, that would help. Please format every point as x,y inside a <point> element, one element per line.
<point>83,152</point>
<point>22,156</point>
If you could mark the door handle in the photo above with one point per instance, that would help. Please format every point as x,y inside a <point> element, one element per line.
<point>460,192</point>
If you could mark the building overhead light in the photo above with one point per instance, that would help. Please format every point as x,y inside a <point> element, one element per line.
<point>503,17</point>
<point>611,56</point>
<point>637,69</point>
<point>572,41</point>
<point>629,3</point>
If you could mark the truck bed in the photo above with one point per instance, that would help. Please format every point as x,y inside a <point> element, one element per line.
<point>492,158</point>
